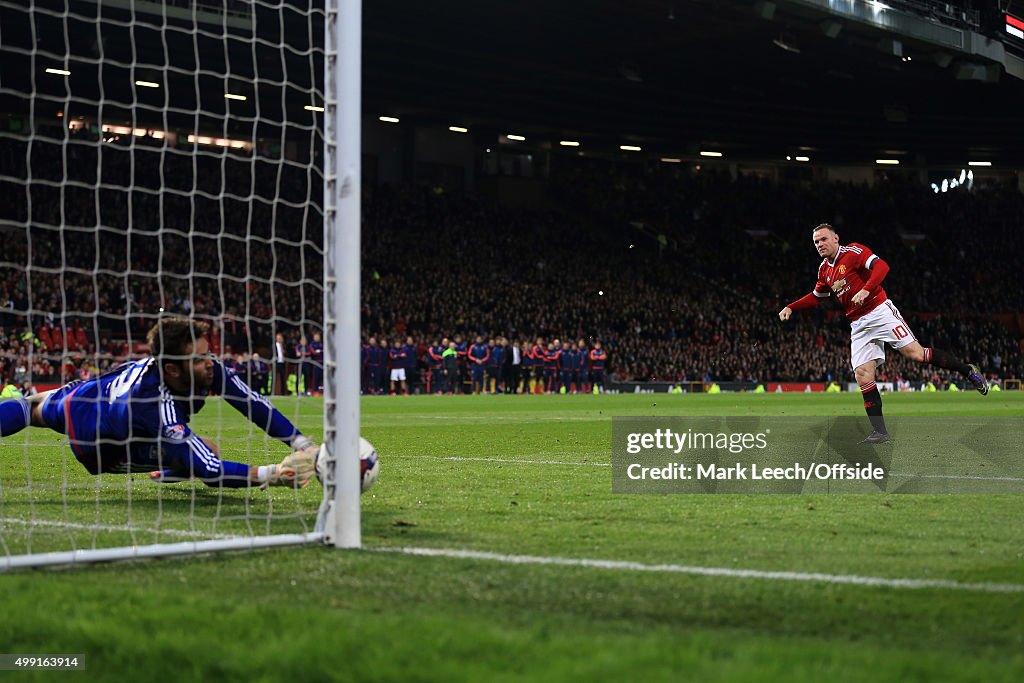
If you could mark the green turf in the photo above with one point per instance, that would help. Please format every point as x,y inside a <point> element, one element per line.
<point>479,473</point>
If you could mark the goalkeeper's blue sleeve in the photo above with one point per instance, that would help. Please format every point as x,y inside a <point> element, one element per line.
<point>15,415</point>
<point>253,405</point>
<point>186,455</point>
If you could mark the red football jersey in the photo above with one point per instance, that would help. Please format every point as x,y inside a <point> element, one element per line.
<point>845,275</point>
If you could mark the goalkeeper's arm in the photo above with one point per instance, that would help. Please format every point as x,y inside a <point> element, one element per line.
<point>258,409</point>
<point>187,456</point>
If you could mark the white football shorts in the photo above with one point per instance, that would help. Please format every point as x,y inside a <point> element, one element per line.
<point>397,374</point>
<point>870,334</point>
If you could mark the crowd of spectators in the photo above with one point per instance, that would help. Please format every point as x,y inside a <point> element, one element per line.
<point>950,250</point>
<point>679,273</point>
<point>672,300</point>
<point>123,233</point>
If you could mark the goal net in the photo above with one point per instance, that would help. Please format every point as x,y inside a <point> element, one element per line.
<point>169,159</point>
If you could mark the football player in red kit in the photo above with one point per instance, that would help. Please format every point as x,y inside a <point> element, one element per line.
<point>854,275</point>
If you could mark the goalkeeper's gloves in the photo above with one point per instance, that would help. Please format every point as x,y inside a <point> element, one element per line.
<point>294,471</point>
<point>301,442</point>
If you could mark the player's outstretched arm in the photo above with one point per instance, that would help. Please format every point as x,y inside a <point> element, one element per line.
<point>807,301</point>
<point>258,409</point>
<point>197,457</point>
<point>186,455</point>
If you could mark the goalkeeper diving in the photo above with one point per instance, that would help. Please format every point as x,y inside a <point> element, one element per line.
<point>134,418</point>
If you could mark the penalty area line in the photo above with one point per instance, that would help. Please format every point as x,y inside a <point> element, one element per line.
<point>718,572</point>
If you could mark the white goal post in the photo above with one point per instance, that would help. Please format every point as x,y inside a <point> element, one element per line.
<point>219,182</point>
<point>342,191</point>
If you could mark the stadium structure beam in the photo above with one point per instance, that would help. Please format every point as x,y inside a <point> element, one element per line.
<point>912,27</point>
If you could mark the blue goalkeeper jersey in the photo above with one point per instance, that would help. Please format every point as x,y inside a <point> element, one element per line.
<point>127,420</point>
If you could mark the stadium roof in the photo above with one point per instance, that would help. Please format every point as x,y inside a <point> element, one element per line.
<point>753,79</point>
<point>683,75</point>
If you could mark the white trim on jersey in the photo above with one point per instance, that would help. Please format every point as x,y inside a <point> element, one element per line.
<point>246,389</point>
<point>168,411</point>
<point>821,295</point>
<point>203,452</point>
<point>840,250</point>
<point>871,259</point>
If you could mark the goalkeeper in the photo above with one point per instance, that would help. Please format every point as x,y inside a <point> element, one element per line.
<point>135,417</point>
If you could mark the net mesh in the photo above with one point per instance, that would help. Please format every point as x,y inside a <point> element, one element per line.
<point>158,159</point>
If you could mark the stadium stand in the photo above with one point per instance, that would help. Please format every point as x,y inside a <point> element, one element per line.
<point>678,272</point>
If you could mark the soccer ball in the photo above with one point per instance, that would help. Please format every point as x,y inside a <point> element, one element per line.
<point>369,463</point>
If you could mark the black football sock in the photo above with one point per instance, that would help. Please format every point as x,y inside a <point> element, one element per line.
<point>873,407</point>
<point>946,360</point>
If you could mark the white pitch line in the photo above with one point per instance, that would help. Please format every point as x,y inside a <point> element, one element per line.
<point>726,572</point>
<point>181,533</point>
<point>458,458</point>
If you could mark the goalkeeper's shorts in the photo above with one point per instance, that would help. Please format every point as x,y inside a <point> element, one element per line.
<point>73,410</point>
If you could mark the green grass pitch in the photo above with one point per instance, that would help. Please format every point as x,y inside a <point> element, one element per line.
<point>519,476</point>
